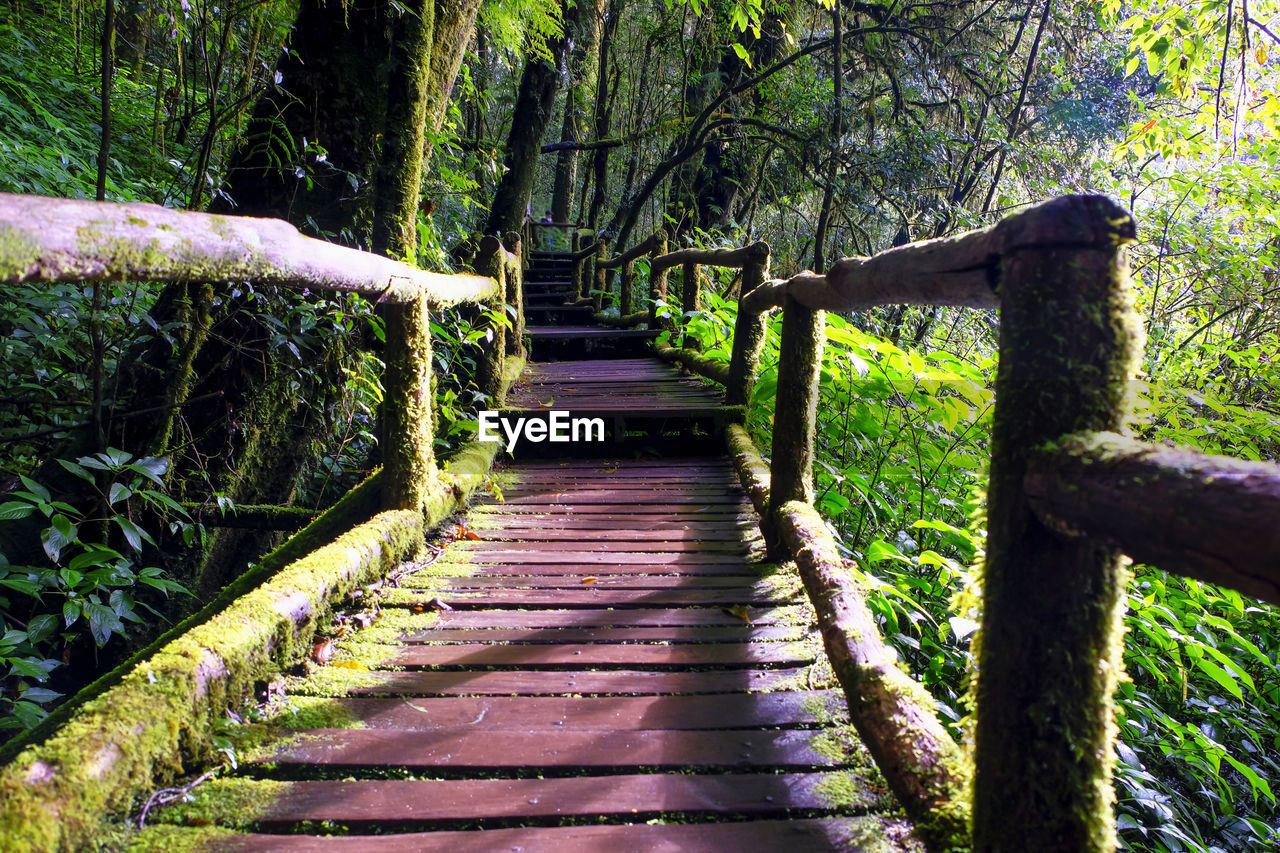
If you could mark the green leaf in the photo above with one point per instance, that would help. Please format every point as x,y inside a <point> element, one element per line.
<point>133,534</point>
<point>58,535</point>
<point>78,470</point>
<point>151,467</point>
<point>39,694</point>
<point>742,53</point>
<point>70,613</point>
<point>12,511</point>
<point>30,668</point>
<point>119,492</point>
<point>41,627</point>
<point>25,586</point>
<point>1258,783</point>
<point>1219,675</point>
<point>36,489</point>
<point>103,622</point>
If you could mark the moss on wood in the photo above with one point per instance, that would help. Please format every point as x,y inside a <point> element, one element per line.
<point>1049,647</point>
<point>716,371</point>
<point>160,717</point>
<point>749,330</point>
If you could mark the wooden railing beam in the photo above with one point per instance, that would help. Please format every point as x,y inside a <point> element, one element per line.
<point>1213,518</point>
<point>407,422</point>
<point>52,239</point>
<point>490,318</point>
<point>748,332</point>
<point>795,411</point>
<point>513,279</point>
<point>657,280</point>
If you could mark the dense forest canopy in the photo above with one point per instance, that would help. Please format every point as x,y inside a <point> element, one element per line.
<point>135,414</point>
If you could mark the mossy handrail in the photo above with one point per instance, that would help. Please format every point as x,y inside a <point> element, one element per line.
<point>55,239</point>
<point>1067,495</point>
<point>158,711</point>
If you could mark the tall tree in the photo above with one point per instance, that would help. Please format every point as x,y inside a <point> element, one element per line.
<point>535,99</point>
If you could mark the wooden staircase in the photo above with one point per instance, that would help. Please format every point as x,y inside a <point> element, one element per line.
<point>597,661</point>
<point>559,328</point>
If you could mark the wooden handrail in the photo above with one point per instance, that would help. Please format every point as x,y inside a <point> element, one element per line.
<point>1059,511</point>
<point>734,258</point>
<point>635,252</point>
<point>1208,517</point>
<point>57,239</point>
<point>54,239</point>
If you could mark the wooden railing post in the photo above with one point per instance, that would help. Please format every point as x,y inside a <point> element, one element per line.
<point>491,262</point>
<point>795,412</point>
<point>689,296</point>
<point>657,277</point>
<point>1052,633</point>
<point>601,277</point>
<point>748,332</point>
<point>514,285</point>
<point>408,430</point>
<point>626,282</point>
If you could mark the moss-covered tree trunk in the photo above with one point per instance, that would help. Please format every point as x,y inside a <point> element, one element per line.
<point>361,84</point>
<point>534,102</point>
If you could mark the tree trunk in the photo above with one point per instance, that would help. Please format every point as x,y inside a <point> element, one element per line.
<point>532,111</point>
<point>364,84</point>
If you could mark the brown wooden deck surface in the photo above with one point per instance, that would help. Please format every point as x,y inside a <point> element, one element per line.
<point>630,386</point>
<point>613,669</point>
<point>658,699</point>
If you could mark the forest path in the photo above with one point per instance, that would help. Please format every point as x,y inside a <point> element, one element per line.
<point>618,671</point>
<point>598,658</point>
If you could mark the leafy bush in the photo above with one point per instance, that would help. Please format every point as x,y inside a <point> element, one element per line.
<point>90,580</point>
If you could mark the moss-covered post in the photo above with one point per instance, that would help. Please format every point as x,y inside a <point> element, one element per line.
<point>490,259</point>
<point>514,280</point>
<point>408,460</point>
<point>601,285</point>
<point>1051,640</point>
<point>748,332</point>
<point>626,282</point>
<point>657,277</point>
<point>795,413</point>
<point>689,296</point>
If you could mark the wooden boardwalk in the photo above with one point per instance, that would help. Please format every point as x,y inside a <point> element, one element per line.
<point>597,661</point>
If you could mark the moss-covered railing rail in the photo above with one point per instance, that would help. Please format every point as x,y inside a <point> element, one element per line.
<point>50,239</point>
<point>155,715</point>
<point>738,376</point>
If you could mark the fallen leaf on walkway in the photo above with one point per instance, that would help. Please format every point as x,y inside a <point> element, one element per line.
<point>321,652</point>
<point>461,531</point>
<point>741,611</point>
<point>590,579</point>
<point>349,664</point>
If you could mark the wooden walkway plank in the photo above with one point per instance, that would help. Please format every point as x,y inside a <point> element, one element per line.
<point>555,682</point>
<point>606,655</point>
<point>830,835</point>
<point>622,797</point>
<point>661,634</point>
<point>470,748</point>
<point>786,709</point>
<point>606,618</point>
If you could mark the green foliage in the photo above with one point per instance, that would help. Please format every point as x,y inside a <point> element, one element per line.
<point>89,580</point>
